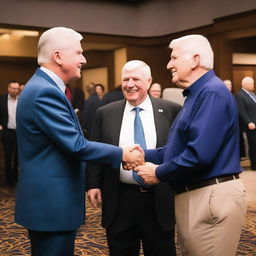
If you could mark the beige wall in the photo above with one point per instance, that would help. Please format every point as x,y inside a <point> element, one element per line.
<point>18,46</point>
<point>120,60</point>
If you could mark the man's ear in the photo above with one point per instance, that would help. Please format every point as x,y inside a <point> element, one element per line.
<point>196,61</point>
<point>57,57</point>
<point>149,82</point>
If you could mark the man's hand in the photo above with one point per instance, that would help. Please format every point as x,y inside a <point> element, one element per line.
<point>94,197</point>
<point>132,157</point>
<point>147,172</point>
<point>251,126</point>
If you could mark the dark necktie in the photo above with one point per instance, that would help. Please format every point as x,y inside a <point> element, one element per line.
<point>139,138</point>
<point>68,94</point>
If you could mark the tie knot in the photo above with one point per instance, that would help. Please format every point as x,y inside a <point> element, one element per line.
<point>137,109</point>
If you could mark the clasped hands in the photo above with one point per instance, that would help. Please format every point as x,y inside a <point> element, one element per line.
<point>133,159</point>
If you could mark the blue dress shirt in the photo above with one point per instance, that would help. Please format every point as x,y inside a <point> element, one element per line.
<point>203,141</point>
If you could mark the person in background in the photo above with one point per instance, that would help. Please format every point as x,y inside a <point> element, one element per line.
<point>246,102</point>
<point>8,105</point>
<point>21,87</point>
<point>155,90</point>
<point>228,83</point>
<point>99,90</point>
<point>77,99</point>
<point>201,158</point>
<point>52,149</point>
<point>90,107</point>
<point>114,95</point>
<point>131,211</point>
<point>89,89</point>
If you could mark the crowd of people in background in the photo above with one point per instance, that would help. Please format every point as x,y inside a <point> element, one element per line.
<point>137,206</point>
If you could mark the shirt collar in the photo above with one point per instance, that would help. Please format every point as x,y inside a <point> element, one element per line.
<point>55,78</point>
<point>145,105</point>
<point>10,98</point>
<point>248,92</point>
<point>198,84</point>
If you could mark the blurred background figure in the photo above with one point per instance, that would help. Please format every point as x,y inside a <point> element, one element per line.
<point>8,105</point>
<point>246,102</point>
<point>155,90</point>
<point>228,83</point>
<point>99,89</point>
<point>21,87</point>
<point>114,95</point>
<point>89,89</point>
<point>90,107</point>
<point>77,98</point>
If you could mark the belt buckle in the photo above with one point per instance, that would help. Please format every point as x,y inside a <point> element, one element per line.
<point>143,190</point>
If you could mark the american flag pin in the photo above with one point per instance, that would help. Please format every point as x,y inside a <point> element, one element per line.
<point>160,110</point>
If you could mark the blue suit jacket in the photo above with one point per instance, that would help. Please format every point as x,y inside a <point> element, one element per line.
<point>52,148</point>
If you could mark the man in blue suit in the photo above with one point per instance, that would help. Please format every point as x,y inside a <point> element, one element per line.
<point>52,148</point>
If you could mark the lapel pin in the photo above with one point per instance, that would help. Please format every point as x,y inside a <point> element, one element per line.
<point>160,110</point>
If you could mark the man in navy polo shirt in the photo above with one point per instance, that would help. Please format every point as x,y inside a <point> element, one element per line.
<point>201,157</point>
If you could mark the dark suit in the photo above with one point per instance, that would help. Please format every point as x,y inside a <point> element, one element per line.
<point>9,141</point>
<point>112,96</point>
<point>114,195</point>
<point>51,146</point>
<point>247,113</point>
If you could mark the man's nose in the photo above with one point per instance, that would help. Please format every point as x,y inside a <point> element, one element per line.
<point>169,65</point>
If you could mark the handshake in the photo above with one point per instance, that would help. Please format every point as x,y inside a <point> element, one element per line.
<point>133,156</point>
<point>133,159</point>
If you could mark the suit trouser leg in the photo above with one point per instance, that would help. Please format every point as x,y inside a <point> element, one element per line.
<point>210,219</point>
<point>251,137</point>
<point>59,243</point>
<point>136,221</point>
<point>11,160</point>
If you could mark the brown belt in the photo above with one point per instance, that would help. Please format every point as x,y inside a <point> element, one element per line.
<point>205,183</point>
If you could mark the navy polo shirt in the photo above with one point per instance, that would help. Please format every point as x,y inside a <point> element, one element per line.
<point>203,141</point>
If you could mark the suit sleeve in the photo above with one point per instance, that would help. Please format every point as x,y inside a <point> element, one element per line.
<point>93,171</point>
<point>56,120</point>
<point>242,113</point>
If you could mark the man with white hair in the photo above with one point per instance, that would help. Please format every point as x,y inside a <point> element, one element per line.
<point>201,158</point>
<point>132,212</point>
<point>246,102</point>
<point>52,148</point>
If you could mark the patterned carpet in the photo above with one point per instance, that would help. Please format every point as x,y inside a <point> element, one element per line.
<point>91,238</point>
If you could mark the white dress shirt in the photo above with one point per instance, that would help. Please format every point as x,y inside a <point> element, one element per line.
<point>12,106</point>
<point>55,78</point>
<point>126,137</point>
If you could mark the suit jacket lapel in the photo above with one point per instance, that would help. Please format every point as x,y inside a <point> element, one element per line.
<point>117,122</point>
<point>158,114</point>
<point>42,74</point>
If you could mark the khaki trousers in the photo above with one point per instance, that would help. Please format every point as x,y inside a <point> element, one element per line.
<point>210,219</point>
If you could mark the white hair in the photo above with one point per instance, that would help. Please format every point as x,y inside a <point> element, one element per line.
<point>137,64</point>
<point>196,44</point>
<point>55,39</point>
<point>247,80</point>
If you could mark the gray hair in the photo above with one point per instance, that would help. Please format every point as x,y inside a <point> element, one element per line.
<point>196,44</point>
<point>55,39</point>
<point>247,80</point>
<point>137,64</point>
